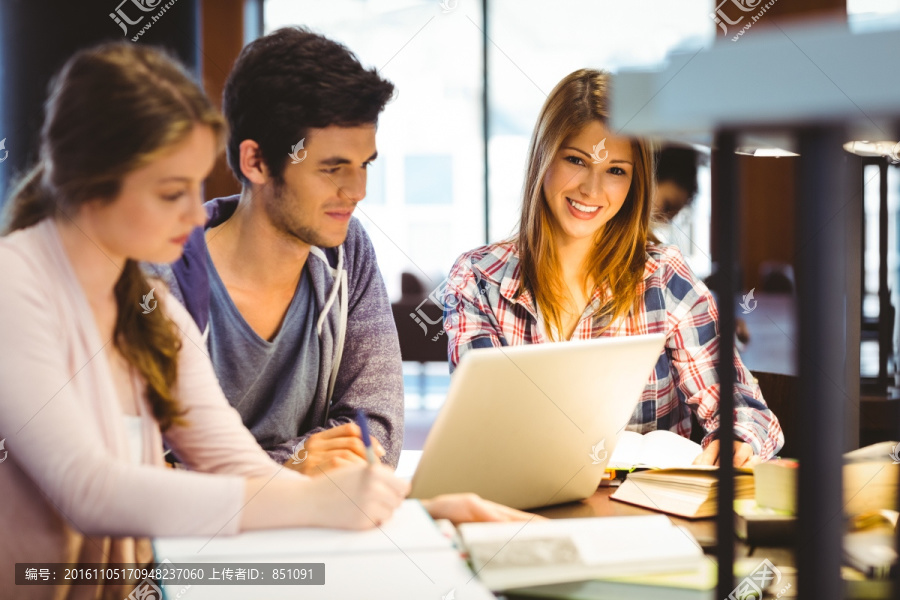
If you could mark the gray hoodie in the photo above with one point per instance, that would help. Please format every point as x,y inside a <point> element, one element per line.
<point>359,364</point>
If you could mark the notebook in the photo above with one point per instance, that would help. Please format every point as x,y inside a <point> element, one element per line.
<point>411,528</point>
<point>407,557</point>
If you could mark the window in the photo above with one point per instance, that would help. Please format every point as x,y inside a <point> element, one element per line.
<point>429,179</point>
<point>872,259</point>
<point>870,15</point>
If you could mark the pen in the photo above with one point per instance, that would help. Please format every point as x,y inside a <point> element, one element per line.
<point>367,441</point>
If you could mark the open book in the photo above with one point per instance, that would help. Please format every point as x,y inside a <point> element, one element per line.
<point>512,555</point>
<point>661,449</point>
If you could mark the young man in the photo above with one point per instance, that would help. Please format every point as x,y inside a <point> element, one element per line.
<point>282,279</point>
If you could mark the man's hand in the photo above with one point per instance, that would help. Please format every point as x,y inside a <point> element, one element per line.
<point>336,447</point>
<point>472,508</point>
<point>743,455</point>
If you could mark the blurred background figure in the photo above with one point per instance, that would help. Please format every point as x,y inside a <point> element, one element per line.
<point>676,180</point>
<point>676,188</point>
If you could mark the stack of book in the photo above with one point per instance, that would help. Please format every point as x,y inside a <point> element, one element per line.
<point>672,484</point>
<point>870,476</point>
<point>690,492</point>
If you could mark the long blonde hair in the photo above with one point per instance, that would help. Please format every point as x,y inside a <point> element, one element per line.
<point>620,256</point>
<point>113,109</point>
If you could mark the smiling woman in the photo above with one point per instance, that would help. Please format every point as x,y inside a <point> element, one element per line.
<point>585,264</point>
<point>585,194</point>
<point>568,250</point>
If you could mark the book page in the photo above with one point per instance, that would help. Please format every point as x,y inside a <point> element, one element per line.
<point>660,449</point>
<point>410,528</point>
<point>666,450</point>
<point>628,451</point>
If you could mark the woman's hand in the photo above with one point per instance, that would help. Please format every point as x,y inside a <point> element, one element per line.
<point>743,455</point>
<point>468,508</point>
<point>354,497</point>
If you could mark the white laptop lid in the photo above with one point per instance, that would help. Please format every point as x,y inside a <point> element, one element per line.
<point>534,425</point>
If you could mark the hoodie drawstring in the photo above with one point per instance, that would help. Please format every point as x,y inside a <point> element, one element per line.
<point>340,281</point>
<point>335,288</point>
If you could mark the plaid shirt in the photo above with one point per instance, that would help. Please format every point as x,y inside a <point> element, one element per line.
<point>482,312</point>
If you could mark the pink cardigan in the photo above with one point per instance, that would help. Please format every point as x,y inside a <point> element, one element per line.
<point>68,492</point>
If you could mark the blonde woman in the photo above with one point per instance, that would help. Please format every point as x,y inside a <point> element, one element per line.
<point>99,366</point>
<point>585,264</point>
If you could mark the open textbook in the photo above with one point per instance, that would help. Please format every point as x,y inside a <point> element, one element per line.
<point>661,449</point>
<point>511,555</point>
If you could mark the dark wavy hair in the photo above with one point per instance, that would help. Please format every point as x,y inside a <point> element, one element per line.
<point>292,80</point>
<point>678,164</point>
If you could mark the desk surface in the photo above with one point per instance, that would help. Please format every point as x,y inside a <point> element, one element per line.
<point>600,505</point>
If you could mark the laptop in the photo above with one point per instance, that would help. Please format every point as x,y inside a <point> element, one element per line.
<point>535,425</point>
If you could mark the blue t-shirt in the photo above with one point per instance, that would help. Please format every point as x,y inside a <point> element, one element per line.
<point>272,384</point>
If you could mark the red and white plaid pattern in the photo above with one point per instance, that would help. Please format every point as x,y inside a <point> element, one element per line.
<point>482,312</point>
